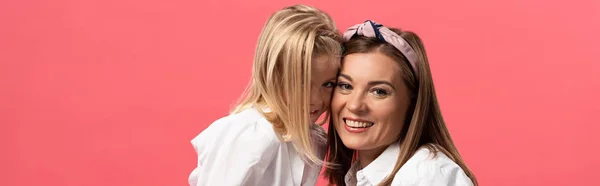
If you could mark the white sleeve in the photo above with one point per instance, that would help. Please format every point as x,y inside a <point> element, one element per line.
<point>441,173</point>
<point>243,162</point>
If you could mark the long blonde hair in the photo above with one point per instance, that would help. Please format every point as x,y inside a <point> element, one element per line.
<point>282,67</point>
<point>424,125</point>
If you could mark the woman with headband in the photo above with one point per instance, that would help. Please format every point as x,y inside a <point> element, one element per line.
<point>386,126</point>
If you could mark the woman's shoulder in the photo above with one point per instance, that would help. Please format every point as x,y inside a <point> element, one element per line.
<point>434,167</point>
<point>430,155</point>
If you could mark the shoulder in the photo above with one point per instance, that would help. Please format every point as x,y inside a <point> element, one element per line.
<point>235,150</point>
<point>246,130</point>
<point>429,168</point>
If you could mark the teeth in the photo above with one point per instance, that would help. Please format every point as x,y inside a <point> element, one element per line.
<point>358,124</point>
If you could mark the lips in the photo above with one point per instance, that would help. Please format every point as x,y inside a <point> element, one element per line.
<point>355,125</point>
<point>314,112</point>
<point>358,124</point>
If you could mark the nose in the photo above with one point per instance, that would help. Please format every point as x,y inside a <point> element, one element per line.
<point>356,104</point>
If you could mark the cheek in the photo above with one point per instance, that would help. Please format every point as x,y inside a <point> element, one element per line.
<point>326,96</point>
<point>337,103</point>
<point>391,115</point>
<point>387,111</point>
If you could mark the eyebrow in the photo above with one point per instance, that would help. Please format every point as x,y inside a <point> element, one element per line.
<point>330,79</point>
<point>345,76</point>
<point>371,83</point>
<point>334,78</point>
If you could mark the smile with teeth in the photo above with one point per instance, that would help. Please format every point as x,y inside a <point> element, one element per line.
<point>357,124</point>
<point>314,112</point>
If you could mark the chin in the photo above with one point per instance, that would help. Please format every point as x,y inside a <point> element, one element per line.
<point>355,142</point>
<point>356,146</point>
<point>315,118</point>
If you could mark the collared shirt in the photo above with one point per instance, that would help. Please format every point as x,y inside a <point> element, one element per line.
<point>422,169</point>
<point>243,149</point>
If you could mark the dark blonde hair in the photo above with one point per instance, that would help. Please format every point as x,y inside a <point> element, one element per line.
<point>282,62</point>
<point>424,125</point>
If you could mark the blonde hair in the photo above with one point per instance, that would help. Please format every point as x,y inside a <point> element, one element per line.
<point>282,65</point>
<point>424,125</point>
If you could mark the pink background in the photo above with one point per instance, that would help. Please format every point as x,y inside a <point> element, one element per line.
<point>109,92</point>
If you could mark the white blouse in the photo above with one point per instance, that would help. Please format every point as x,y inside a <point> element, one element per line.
<point>242,149</point>
<point>420,170</point>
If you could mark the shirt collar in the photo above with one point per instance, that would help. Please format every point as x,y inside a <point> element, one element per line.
<point>377,170</point>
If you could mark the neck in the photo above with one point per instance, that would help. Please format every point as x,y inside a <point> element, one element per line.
<point>365,157</point>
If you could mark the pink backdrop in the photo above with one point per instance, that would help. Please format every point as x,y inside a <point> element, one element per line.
<point>109,92</point>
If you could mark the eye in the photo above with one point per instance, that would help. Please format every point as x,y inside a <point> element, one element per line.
<point>344,86</point>
<point>380,92</point>
<point>328,84</point>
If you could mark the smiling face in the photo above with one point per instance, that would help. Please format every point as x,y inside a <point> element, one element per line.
<point>323,75</point>
<point>370,102</point>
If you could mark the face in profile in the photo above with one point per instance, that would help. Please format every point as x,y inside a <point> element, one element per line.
<point>370,101</point>
<point>324,71</point>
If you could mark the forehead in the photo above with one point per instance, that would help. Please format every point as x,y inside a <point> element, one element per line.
<point>325,65</point>
<point>371,66</point>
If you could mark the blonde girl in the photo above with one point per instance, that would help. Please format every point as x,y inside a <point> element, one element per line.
<point>271,138</point>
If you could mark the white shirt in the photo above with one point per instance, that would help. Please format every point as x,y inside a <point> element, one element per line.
<point>243,149</point>
<point>420,170</point>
